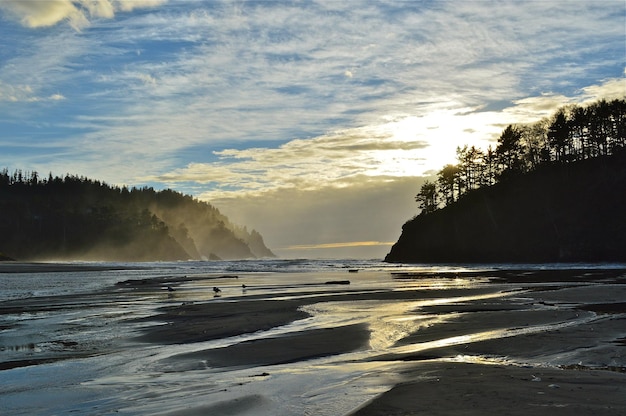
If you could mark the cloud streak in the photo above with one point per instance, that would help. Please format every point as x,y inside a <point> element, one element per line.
<point>339,245</point>
<point>329,159</point>
<point>407,147</point>
<point>77,13</point>
<point>231,100</point>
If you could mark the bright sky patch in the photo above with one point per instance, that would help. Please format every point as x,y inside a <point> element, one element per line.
<point>233,101</point>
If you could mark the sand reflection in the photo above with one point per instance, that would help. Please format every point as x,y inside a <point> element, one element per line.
<point>389,321</point>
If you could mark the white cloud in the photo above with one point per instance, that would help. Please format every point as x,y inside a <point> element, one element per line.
<point>15,92</point>
<point>334,159</point>
<point>532,108</point>
<point>612,89</point>
<point>129,5</point>
<point>249,98</point>
<point>56,97</point>
<point>45,13</point>
<point>24,93</point>
<point>42,13</point>
<point>404,146</point>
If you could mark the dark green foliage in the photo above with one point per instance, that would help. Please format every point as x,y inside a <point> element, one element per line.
<point>427,197</point>
<point>574,133</point>
<point>557,193</point>
<point>76,218</point>
<point>559,213</point>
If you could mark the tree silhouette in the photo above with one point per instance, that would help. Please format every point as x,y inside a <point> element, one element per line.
<point>447,180</point>
<point>509,151</point>
<point>470,166</point>
<point>78,218</point>
<point>427,197</point>
<point>573,133</point>
<point>559,136</point>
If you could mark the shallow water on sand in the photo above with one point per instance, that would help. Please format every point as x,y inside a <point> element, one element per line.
<point>67,337</point>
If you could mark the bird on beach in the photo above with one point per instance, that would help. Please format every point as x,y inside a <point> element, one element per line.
<point>170,289</point>
<point>243,286</point>
<point>216,290</point>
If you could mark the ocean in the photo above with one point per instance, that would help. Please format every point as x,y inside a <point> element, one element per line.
<point>27,281</point>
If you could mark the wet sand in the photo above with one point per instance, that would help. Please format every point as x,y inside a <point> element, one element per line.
<point>575,363</point>
<point>562,349</point>
<point>207,321</point>
<point>436,388</point>
<point>295,347</point>
<point>522,343</point>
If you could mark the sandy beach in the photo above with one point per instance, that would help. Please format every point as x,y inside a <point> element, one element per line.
<point>474,343</point>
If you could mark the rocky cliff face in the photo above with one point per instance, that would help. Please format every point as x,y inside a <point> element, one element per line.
<point>560,213</point>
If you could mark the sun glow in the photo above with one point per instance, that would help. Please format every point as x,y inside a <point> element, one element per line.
<point>445,127</point>
<point>439,132</point>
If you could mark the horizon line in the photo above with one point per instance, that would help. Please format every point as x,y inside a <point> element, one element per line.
<point>338,245</point>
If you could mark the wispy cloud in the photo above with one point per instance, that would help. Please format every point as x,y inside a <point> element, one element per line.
<point>323,159</point>
<point>227,99</point>
<point>15,93</point>
<point>403,147</point>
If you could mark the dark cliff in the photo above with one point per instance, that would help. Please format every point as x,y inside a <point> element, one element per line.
<point>559,213</point>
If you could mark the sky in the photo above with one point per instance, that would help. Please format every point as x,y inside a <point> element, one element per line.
<point>313,122</point>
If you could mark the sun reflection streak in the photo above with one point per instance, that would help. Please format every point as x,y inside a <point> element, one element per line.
<point>487,335</point>
<point>477,359</point>
<point>391,321</point>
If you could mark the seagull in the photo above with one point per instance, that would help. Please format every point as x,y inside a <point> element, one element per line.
<point>216,290</point>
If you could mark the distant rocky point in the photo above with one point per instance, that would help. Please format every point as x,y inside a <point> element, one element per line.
<point>75,218</point>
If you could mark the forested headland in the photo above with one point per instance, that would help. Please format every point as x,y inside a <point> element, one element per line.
<point>75,218</point>
<point>551,191</point>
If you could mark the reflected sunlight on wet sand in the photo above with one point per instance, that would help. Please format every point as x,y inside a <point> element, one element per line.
<point>432,341</point>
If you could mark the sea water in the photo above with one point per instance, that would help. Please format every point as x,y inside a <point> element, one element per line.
<point>77,358</point>
<point>19,285</point>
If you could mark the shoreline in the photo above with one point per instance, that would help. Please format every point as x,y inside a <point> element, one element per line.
<point>474,343</point>
<point>13,267</point>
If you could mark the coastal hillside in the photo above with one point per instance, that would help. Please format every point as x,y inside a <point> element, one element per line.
<point>75,218</point>
<point>551,192</point>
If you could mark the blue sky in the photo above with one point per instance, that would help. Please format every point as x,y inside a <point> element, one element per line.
<point>314,122</point>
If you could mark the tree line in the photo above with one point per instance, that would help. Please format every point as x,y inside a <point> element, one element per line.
<point>78,218</point>
<point>572,134</point>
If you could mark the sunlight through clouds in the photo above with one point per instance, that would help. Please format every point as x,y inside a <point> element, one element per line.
<point>240,102</point>
<point>331,159</point>
<point>402,146</point>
